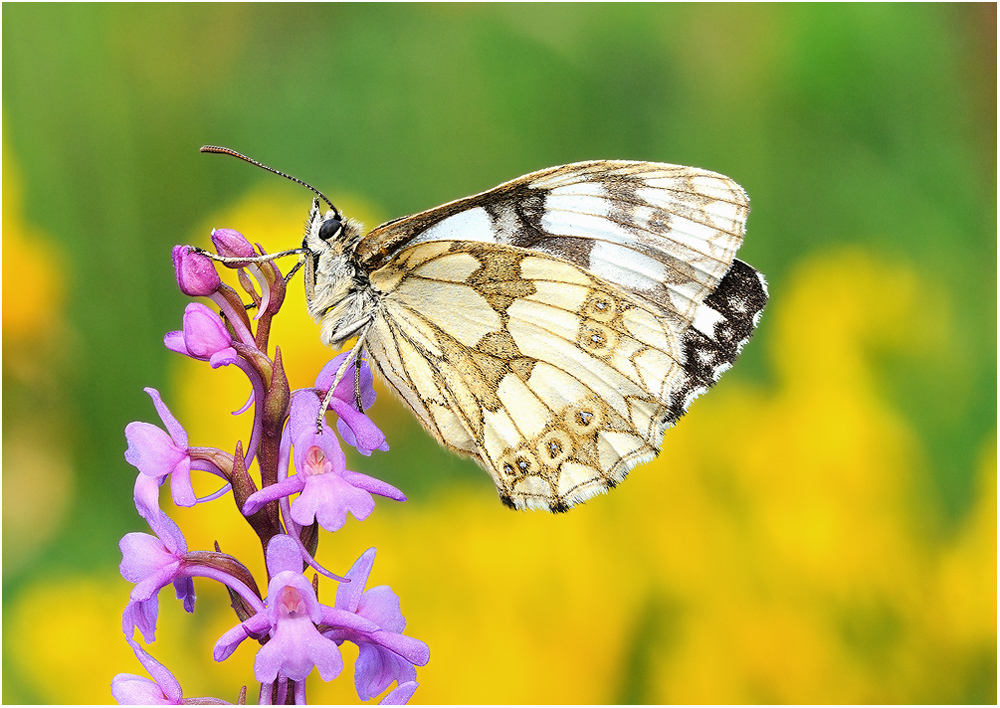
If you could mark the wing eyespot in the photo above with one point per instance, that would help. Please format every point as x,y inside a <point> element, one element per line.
<point>584,418</point>
<point>555,447</point>
<point>597,339</point>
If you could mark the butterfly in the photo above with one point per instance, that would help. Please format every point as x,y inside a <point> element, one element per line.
<point>552,327</point>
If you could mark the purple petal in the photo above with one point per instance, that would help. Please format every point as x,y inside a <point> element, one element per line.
<point>295,647</point>
<point>229,641</point>
<point>357,429</point>
<point>147,496</point>
<point>184,587</point>
<point>376,668</point>
<point>223,358</point>
<point>169,534</point>
<point>302,412</point>
<point>400,695</point>
<point>381,606</point>
<point>339,619</point>
<point>413,650</point>
<point>349,594</point>
<point>151,450</point>
<point>345,389</point>
<point>258,626</point>
<point>174,341</point>
<point>181,489</point>
<point>141,615</point>
<point>231,243</point>
<point>204,331</point>
<point>151,585</point>
<point>132,690</point>
<point>143,556</point>
<point>256,501</point>
<point>165,681</point>
<point>283,554</point>
<point>370,484</point>
<point>325,655</point>
<point>175,429</point>
<point>327,498</point>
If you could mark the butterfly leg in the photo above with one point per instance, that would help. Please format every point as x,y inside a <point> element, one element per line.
<point>254,259</point>
<point>353,356</point>
<point>357,384</point>
<point>293,271</point>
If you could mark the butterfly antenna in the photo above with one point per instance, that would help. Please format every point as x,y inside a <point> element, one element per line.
<point>227,151</point>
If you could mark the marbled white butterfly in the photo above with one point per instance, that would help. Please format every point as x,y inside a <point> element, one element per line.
<point>552,327</point>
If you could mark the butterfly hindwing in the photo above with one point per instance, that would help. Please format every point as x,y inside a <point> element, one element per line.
<point>555,379</point>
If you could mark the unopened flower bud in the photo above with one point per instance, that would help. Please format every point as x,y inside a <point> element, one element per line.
<point>233,244</point>
<point>196,275</point>
<point>204,337</point>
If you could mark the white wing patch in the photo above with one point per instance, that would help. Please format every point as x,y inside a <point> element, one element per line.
<point>471,225</point>
<point>622,265</point>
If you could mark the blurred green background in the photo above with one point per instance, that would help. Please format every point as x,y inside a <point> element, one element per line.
<point>820,528</point>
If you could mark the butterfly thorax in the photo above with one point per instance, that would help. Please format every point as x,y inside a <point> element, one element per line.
<point>339,295</point>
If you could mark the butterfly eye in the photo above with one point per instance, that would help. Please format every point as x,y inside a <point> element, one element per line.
<point>330,228</point>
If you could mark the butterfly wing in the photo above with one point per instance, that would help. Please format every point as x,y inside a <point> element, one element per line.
<point>665,233</point>
<point>555,326</point>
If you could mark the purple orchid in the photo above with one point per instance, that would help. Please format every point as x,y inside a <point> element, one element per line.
<point>290,618</point>
<point>297,632</point>
<point>233,244</point>
<point>204,337</point>
<point>327,489</point>
<point>152,563</point>
<point>354,426</point>
<point>156,455</point>
<point>197,277</point>
<point>383,656</point>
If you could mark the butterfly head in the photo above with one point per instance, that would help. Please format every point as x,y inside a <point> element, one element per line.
<point>338,292</point>
<point>330,234</point>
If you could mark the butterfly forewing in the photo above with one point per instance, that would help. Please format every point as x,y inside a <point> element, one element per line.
<point>663,232</point>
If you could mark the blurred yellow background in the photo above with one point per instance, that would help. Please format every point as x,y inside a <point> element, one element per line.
<point>821,527</point>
